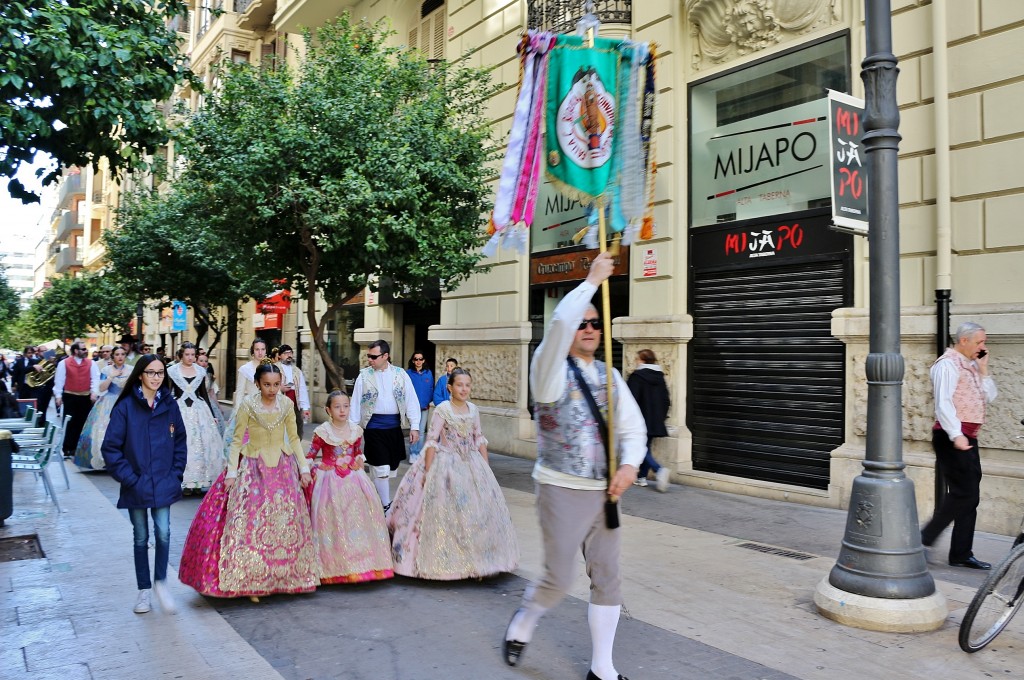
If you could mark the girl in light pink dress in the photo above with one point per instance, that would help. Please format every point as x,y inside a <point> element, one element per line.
<point>449,519</point>
<point>349,533</point>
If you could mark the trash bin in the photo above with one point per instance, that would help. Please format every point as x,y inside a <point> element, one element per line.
<point>6,476</point>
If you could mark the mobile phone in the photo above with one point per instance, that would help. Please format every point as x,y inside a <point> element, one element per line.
<point>982,353</point>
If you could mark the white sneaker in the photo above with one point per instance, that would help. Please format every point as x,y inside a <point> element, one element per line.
<point>164,597</point>
<point>662,477</point>
<point>144,604</point>
<point>640,482</point>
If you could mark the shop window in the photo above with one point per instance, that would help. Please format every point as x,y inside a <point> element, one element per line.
<point>759,137</point>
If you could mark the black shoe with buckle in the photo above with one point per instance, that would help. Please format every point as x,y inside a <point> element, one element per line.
<point>591,675</point>
<point>971,563</point>
<point>512,650</point>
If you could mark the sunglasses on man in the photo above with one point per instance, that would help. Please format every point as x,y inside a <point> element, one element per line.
<point>593,323</point>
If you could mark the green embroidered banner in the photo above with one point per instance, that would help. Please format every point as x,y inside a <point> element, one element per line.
<point>581,114</point>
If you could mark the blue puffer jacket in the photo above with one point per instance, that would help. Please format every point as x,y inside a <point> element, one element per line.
<point>146,449</point>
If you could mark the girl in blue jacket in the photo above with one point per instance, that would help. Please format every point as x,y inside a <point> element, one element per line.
<point>145,449</point>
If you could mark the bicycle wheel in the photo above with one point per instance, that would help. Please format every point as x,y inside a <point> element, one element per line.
<point>994,604</point>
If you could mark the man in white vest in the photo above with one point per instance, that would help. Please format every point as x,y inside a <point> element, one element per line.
<point>381,394</point>
<point>962,388</point>
<point>572,472</point>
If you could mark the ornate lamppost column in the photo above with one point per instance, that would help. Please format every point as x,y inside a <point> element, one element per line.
<point>881,579</point>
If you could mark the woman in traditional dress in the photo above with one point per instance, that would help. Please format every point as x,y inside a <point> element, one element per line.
<point>246,382</point>
<point>252,535</point>
<point>351,538</point>
<point>449,519</point>
<point>205,444</point>
<point>88,453</point>
<point>212,388</point>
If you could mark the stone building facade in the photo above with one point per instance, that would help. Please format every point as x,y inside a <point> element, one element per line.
<point>722,64</point>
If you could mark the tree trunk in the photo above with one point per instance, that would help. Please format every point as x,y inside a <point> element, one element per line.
<point>335,379</point>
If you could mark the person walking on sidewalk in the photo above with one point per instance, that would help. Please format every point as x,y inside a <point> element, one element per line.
<point>145,449</point>
<point>381,394</point>
<point>962,388</point>
<point>423,381</point>
<point>647,384</point>
<point>571,473</point>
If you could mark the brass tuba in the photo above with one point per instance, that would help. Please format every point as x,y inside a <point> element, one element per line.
<point>47,369</point>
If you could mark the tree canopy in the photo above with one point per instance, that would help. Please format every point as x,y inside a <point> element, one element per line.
<point>73,306</point>
<point>163,249</point>
<point>364,164</point>
<point>82,80</point>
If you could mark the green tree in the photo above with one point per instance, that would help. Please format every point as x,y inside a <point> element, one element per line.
<point>364,165</point>
<point>73,306</point>
<point>164,249</point>
<point>81,80</point>
<point>10,301</point>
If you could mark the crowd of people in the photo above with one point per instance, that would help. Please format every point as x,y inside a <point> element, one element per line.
<point>278,516</point>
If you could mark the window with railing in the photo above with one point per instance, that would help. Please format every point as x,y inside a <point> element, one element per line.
<point>561,16</point>
<point>209,10</point>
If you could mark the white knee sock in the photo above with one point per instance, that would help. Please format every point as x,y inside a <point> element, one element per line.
<point>603,621</point>
<point>383,489</point>
<point>525,622</point>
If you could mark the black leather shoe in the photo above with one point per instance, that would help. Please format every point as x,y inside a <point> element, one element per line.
<point>593,676</point>
<point>971,563</point>
<point>511,650</point>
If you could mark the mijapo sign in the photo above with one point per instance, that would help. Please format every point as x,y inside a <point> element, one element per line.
<point>765,165</point>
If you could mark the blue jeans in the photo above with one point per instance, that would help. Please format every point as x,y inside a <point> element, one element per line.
<point>162,531</point>
<point>649,463</point>
<point>417,448</point>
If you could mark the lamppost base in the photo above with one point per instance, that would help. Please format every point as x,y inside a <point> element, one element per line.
<point>918,615</point>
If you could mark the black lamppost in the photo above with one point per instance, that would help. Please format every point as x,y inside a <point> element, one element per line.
<point>881,555</point>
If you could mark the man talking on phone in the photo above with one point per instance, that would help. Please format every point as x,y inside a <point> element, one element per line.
<point>962,388</point>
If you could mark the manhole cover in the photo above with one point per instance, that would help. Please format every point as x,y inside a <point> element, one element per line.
<point>15,548</point>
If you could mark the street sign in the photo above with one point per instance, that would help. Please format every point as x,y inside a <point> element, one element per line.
<point>179,316</point>
<point>849,170</point>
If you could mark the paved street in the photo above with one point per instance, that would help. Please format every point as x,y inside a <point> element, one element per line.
<point>699,604</point>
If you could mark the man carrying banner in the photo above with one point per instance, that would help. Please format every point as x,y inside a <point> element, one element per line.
<point>571,472</point>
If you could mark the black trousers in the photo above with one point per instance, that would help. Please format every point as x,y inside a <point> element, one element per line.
<point>960,506</point>
<point>76,407</point>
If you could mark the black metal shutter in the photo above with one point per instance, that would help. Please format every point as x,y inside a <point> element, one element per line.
<point>766,376</point>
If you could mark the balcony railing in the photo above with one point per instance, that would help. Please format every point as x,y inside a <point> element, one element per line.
<point>68,259</point>
<point>69,186</point>
<point>254,14</point>
<point>67,226</point>
<point>561,16</point>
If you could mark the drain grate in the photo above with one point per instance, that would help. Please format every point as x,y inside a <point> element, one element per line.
<point>14,548</point>
<point>791,554</point>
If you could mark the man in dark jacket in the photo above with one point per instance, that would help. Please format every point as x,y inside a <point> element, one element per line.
<point>20,369</point>
<point>647,383</point>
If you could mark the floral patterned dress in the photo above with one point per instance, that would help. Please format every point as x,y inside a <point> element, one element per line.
<point>451,522</point>
<point>87,453</point>
<point>351,539</point>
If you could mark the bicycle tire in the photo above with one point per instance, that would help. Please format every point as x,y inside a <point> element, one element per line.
<point>995,603</point>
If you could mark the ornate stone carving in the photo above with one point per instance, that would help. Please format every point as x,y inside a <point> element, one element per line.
<point>725,29</point>
<point>495,370</point>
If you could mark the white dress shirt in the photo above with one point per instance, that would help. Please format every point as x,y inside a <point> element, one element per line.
<point>293,376</point>
<point>945,376</point>
<point>549,379</point>
<point>386,403</point>
<point>62,374</point>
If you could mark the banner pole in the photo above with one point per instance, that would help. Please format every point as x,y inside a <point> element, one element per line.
<point>606,315</point>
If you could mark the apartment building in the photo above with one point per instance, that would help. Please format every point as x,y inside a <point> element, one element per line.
<point>757,310</point>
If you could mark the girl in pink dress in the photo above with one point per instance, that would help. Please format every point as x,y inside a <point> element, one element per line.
<point>252,533</point>
<point>449,520</point>
<point>349,533</point>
